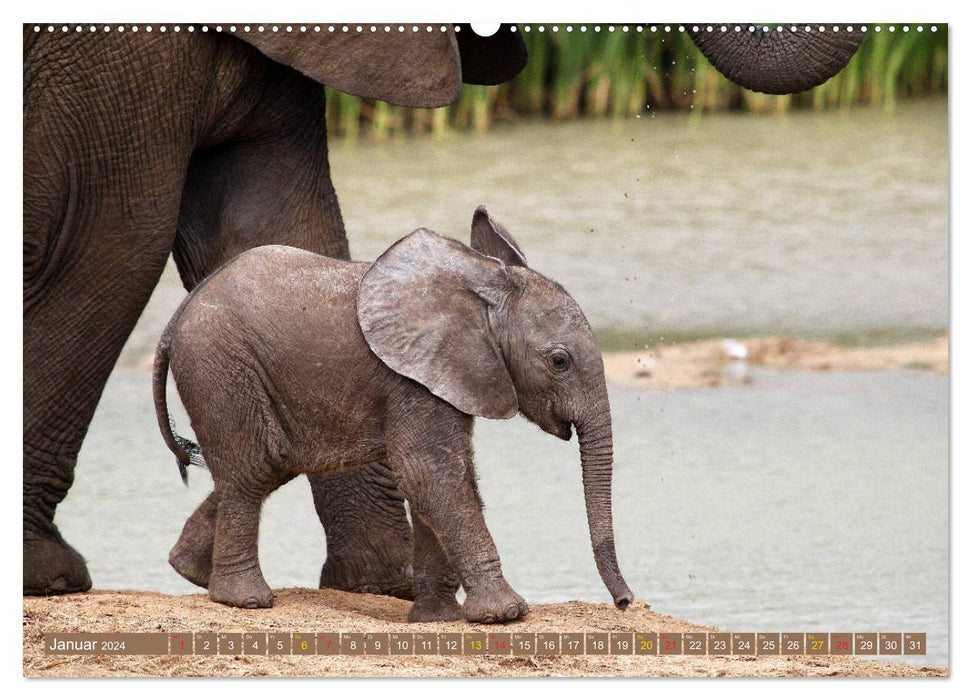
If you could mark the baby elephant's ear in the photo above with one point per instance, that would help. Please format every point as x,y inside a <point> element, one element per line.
<point>491,238</point>
<point>424,311</point>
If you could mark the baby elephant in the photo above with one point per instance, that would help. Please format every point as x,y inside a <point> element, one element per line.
<point>292,363</point>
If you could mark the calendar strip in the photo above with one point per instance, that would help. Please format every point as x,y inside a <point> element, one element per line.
<point>492,643</point>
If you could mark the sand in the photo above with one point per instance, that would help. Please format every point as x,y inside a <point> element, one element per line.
<point>305,610</point>
<point>710,363</point>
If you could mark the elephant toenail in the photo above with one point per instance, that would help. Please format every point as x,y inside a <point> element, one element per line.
<point>59,584</point>
<point>512,612</point>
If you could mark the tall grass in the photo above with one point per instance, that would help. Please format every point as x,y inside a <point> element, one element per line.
<point>588,73</point>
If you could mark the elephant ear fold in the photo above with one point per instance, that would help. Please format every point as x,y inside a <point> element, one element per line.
<point>490,60</point>
<point>491,238</point>
<point>414,69</point>
<point>424,309</point>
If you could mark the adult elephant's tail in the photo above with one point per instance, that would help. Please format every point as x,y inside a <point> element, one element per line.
<point>186,451</point>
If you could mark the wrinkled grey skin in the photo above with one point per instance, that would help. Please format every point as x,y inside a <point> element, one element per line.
<point>777,61</point>
<point>200,145</point>
<point>289,362</point>
<point>203,145</point>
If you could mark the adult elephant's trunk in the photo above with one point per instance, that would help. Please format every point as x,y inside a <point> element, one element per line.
<point>777,62</point>
<point>595,436</point>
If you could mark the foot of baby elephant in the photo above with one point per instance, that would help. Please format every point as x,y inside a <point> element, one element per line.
<point>434,609</point>
<point>191,565</point>
<point>368,574</point>
<point>236,578</point>
<point>192,554</point>
<point>436,581</point>
<point>496,603</point>
<point>245,590</point>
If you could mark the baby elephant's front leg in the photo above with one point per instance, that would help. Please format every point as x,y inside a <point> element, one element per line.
<point>437,477</point>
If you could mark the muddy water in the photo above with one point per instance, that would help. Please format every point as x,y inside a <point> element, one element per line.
<point>799,502</point>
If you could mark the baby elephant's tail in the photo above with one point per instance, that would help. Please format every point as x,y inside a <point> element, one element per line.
<point>186,452</point>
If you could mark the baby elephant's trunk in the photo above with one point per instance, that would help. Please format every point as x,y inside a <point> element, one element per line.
<point>597,460</point>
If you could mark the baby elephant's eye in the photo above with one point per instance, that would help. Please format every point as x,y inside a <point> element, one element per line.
<point>560,360</point>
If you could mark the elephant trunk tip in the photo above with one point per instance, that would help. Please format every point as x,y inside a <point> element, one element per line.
<point>606,559</point>
<point>622,600</point>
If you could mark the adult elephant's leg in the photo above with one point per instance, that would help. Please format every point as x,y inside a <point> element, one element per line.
<point>105,154</point>
<point>77,316</point>
<point>266,181</point>
<point>368,535</point>
<point>271,183</point>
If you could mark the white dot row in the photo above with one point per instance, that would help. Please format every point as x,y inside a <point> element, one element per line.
<point>729,28</point>
<point>414,28</point>
<point>261,29</point>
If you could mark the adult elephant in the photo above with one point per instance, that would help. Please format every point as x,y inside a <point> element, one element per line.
<point>201,144</point>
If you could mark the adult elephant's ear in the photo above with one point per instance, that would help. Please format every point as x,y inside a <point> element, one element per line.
<point>424,311</point>
<point>409,68</point>
<point>777,62</point>
<point>491,238</point>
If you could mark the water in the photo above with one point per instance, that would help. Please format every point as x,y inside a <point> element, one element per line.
<point>801,502</point>
<point>808,224</point>
<point>823,225</point>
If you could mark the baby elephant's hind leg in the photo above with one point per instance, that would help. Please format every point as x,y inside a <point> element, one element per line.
<point>236,578</point>
<point>192,554</point>
<point>436,580</point>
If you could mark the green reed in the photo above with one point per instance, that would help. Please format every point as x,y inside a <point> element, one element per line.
<point>616,74</point>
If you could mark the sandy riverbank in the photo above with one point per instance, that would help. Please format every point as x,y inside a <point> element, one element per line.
<point>710,363</point>
<point>304,610</point>
<point>713,362</point>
